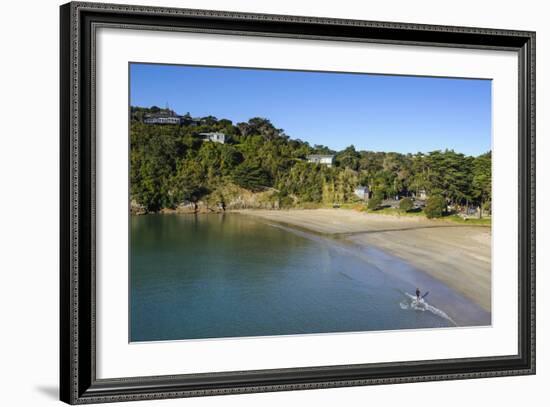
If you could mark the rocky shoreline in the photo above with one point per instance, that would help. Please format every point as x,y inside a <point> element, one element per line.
<point>230,197</point>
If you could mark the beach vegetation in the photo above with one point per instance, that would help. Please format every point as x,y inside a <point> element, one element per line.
<point>435,207</point>
<point>375,202</point>
<point>406,204</point>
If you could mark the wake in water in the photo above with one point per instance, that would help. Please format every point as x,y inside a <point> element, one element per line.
<point>420,304</point>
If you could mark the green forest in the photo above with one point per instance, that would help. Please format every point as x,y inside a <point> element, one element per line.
<point>172,164</point>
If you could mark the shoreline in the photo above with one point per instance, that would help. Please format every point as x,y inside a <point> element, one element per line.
<point>456,255</point>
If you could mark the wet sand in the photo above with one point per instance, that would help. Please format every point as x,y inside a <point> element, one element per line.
<point>457,255</point>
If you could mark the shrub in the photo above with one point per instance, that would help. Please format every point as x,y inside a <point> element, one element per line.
<point>406,204</point>
<point>375,202</point>
<point>282,200</point>
<point>435,207</point>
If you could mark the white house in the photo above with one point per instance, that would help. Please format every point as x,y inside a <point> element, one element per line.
<point>327,160</point>
<point>215,137</point>
<point>362,192</point>
<point>162,120</point>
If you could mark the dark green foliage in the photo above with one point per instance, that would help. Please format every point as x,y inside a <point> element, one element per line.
<point>252,177</point>
<point>481,182</point>
<point>172,164</point>
<point>406,204</point>
<point>304,180</point>
<point>154,151</point>
<point>189,184</point>
<point>435,207</point>
<point>262,127</point>
<point>320,149</point>
<point>375,202</point>
<point>348,158</point>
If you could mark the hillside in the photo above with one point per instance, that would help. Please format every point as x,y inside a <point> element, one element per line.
<point>259,166</point>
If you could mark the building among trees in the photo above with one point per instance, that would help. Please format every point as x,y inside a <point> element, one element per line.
<point>162,119</point>
<point>167,116</point>
<point>325,159</point>
<point>187,120</point>
<point>213,136</point>
<point>362,192</point>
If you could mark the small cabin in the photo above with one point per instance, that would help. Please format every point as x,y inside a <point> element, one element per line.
<point>327,160</point>
<point>362,192</point>
<point>215,137</point>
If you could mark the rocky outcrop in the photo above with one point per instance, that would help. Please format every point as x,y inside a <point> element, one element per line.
<point>190,207</point>
<point>240,198</point>
<point>137,209</point>
<point>227,197</point>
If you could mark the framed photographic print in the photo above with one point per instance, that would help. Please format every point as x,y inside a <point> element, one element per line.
<point>256,203</point>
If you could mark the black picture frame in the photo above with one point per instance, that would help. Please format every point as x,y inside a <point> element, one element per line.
<point>78,382</point>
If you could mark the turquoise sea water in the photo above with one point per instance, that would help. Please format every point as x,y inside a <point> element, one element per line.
<point>231,275</point>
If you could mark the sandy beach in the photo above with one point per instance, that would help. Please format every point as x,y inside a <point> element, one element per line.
<point>455,254</point>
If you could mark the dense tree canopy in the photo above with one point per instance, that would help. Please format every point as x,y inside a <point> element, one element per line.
<point>171,164</point>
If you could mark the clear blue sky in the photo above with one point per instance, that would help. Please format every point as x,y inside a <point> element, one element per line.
<point>373,112</point>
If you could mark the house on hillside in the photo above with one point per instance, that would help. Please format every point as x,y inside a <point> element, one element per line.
<point>362,192</point>
<point>327,160</point>
<point>215,137</point>
<point>170,117</point>
<point>190,121</point>
<point>162,119</point>
<point>421,195</point>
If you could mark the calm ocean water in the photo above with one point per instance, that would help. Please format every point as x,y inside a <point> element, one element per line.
<point>230,275</point>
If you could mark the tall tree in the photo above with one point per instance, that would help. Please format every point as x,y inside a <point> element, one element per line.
<point>481,182</point>
<point>189,183</point>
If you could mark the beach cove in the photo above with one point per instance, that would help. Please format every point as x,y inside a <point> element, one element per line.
<point>455,254</point>
<point>258,273</point>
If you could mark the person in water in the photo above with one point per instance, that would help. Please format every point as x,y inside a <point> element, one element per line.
<point>417,294</point>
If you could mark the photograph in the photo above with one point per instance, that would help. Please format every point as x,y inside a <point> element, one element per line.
<point>257,201</point>
<point>270,202</point>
